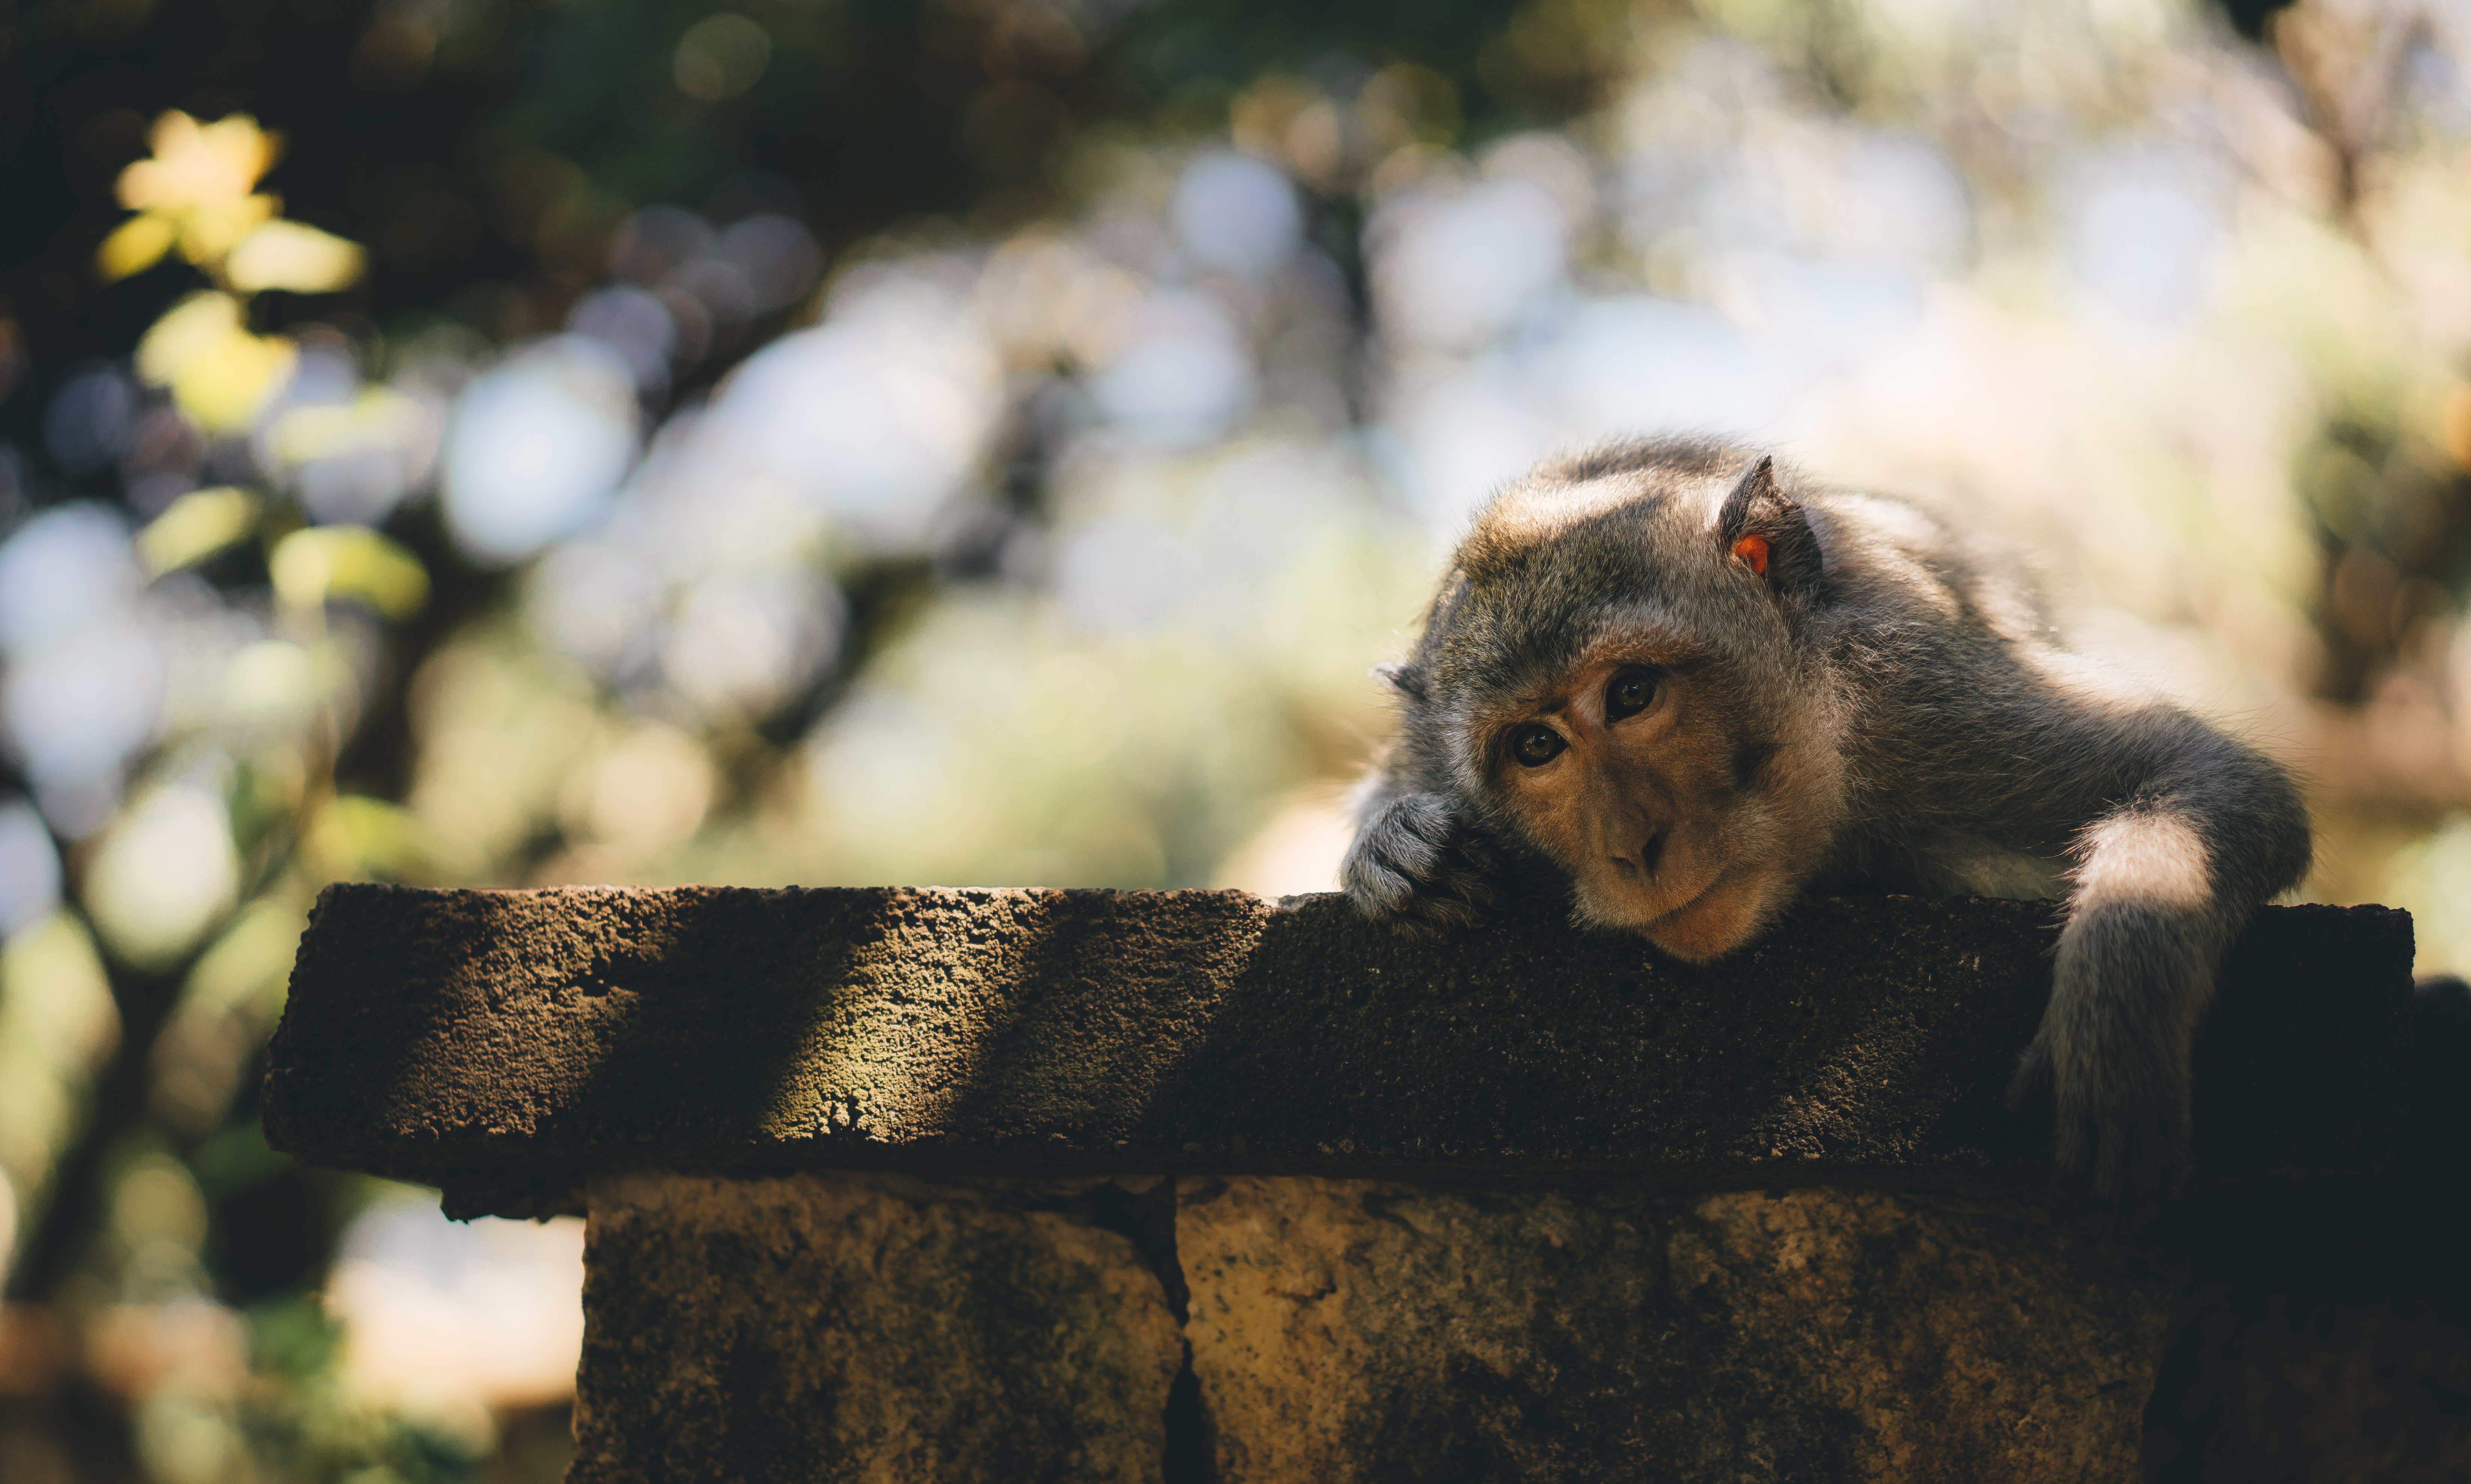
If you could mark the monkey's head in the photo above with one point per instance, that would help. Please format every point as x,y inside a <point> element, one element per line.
<point>1622,669</point>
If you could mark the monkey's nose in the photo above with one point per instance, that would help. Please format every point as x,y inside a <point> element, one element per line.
<point>1649,855</point>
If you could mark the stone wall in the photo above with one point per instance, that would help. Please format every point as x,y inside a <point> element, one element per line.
<point>1183,1186</point>
<point>1346,1329</point>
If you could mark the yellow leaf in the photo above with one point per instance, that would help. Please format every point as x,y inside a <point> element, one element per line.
<point>325,562</point>
<point>191,328</point>
<point>197,165</point>
<point>220,374</point>
<point>196,525</point>
<point>213,229</point>
<point>226,392</point>
<point>135,246</point>
<point>295,256</point>
<point>199,186</point>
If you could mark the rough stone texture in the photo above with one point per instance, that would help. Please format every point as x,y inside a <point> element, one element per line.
<point>832,1327</point>
<point>2296,1385</point>
<point>852,1327</point>
<point>501,1043</point>
<point>1346,1329</point>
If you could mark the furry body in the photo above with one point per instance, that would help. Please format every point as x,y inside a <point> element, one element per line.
<point>1700,688</point>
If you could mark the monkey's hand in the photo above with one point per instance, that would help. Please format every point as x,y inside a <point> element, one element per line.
<point>1416,866</point>
<point>2110,1061</point>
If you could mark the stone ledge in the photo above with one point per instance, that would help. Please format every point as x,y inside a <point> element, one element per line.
<point>505,1044</point>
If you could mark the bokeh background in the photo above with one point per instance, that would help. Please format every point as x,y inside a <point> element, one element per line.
<point>987,442</point>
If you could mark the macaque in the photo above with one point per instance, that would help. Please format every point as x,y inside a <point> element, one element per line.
<point>1700,686</point>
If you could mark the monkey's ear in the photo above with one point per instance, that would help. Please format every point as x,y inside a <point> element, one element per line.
<point>1763,529</point>
<point>1407,679</point>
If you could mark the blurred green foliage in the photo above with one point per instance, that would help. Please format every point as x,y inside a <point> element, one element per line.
<point>845,441</point>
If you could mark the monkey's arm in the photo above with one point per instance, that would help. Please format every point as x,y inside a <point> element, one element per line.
<point>2178,834</point>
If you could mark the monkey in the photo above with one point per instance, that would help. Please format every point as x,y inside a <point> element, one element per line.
<point>1697,686</point>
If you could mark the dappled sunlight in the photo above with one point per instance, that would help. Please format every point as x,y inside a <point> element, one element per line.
<point>164,876</point>
<point>536,447</point>
<point>875,417</point>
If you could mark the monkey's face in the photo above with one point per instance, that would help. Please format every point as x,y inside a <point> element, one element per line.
<point>1614,669</point>
<point>1670,808</point>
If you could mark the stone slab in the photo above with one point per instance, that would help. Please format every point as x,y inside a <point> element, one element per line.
<point>504,1044</point>
<point>1359,1330</point>
<point>864,1328</point>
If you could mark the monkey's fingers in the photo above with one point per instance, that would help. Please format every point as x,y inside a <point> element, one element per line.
<point>1383,867</point>
<point>2140,1157</point>
<point>1459,894</point>
<point>1413,867</point>
<point>2120,1150</point>
<point>1455,895</point>
<point>2034,1088</point>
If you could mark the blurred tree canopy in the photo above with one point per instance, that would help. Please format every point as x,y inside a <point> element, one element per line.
<point>488,159</point>
<point>492,441</point>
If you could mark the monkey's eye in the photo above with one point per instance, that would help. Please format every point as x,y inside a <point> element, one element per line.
<point>1535,746</point>
<point>1632,692</point>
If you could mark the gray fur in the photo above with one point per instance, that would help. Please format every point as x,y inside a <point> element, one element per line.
<point>1901,698</point>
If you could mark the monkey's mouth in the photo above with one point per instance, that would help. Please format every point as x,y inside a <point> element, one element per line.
<point>1714,922</point>
<point>1623,913</point>
<point>1705,893</point>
